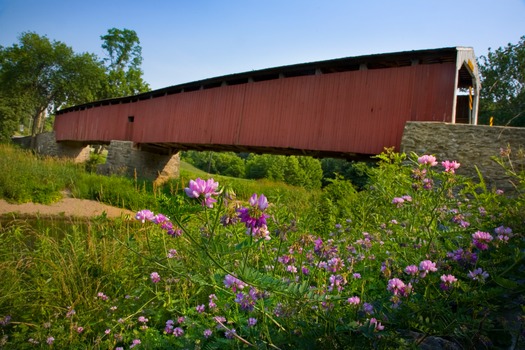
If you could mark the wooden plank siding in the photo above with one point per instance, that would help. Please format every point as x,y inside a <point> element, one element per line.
<point>348,112</point>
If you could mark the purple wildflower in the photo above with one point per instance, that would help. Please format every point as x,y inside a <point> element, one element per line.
<point>172,253</point>
<point>155,277</point>
<point>134,343</point>
<point>144,215</point>
<point>368,308</point>
<point>335,264</point>
<point>254,217</point>
<point>178,332</point>
<point>70,312</point>
<point>4,321</point>
<point>230,333</point>
<point>200,308</point>
<point>50,340</point>
<point>160,219</point>
<point>212,304</point>
<point>203,188</point>
<point>398,201</point>
<point>233,282</point>
<point>377,325</point>
<point>207,333</point>
<point>102,296</point>
<point>481,239</point>
<point>337,282</point>
<point>252,322</point>
<point>169,326</point>
<point>80,329</point>
<point>411,270</point>
<point>447,281</point>
<point>397,287</point>
<point>478,275</point>
<point>247,301</point>
<point>463,257</point>
<point>354,300</point>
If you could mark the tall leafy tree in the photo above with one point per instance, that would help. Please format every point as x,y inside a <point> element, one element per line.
<point>124,59</point>
<point>503,80</point>
<point>39,76</point>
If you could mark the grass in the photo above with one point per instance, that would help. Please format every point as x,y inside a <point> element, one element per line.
<point>333,275</point>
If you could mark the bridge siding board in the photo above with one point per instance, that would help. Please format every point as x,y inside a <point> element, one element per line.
<point>353,111</point>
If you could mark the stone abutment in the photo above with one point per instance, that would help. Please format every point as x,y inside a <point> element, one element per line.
<point>474,146</point>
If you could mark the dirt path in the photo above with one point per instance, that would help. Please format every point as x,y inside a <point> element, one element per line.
<point>66,207</point>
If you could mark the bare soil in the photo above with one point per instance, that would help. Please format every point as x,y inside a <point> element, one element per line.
<point>71,207</point>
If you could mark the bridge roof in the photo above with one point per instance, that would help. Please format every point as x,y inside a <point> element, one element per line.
<point>374,61</point>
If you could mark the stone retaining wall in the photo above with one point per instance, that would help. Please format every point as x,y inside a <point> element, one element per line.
<point>471,145</point>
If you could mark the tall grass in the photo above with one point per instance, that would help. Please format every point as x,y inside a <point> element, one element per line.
<point>28,177</point>
<point>25,176</point>
<point>421,254</point>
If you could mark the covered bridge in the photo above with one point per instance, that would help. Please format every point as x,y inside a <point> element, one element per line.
<point>346,107</point>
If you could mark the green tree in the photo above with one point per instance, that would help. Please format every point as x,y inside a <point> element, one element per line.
<point>313,172</point>
<point>503,80</point>
<point>123,63</point>
<point>39,76</point>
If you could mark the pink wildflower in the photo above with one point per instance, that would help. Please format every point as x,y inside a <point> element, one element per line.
<point>144,215</point>
<point>427,159</point>
<point>354,300</point>
<point>398,201</point>
<point>411,270</point>
<point>377,325</point>
<point>203,188</point>
<point>427,266</point>
<point>396,286</point>
<point>155,277</point>
<point>450,167</point>
<point>447,281</point>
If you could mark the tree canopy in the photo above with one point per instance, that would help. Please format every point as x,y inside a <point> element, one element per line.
<point>503,81</point>
<point>123,62</point>
<point>38,75</point>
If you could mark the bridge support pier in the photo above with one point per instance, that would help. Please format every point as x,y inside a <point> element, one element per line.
<point>126,159</point>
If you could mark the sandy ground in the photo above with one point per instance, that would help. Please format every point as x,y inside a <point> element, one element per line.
<point>66,207</point>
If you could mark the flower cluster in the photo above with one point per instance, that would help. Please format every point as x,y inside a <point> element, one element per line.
<point>478,275</point>
<point>233,282</point>
<point>159,219</point>
<point>247,301</point>
<point>398,201</point>
<point>450,167</point>
<point>204,189</point>
<point>254,217</point>
<point>155,277</point>
<point>427,160</point>
<point>447,281</point>
<point>427,266</point>
<point>481,240</point>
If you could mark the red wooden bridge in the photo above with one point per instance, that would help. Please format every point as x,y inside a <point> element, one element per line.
<point>344,107</point>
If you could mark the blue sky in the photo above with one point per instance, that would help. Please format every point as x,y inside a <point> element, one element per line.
<point>189,40</point>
